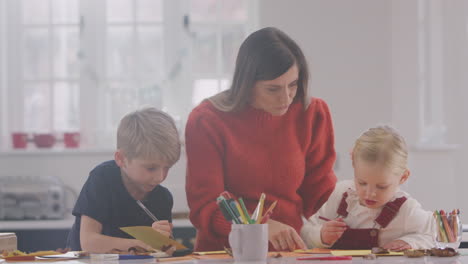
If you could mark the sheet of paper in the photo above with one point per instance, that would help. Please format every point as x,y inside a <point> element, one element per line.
<point>203,253</point>
<point>151,237</point>
<point>358,253</point>
<point>68,255</point>
<point>178,259</point>
<point>313,251</point>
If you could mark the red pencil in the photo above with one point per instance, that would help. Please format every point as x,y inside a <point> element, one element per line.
<point>324,218</point>
<point>327,258</point>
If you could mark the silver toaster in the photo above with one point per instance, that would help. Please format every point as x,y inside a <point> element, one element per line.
<point>31,198</point>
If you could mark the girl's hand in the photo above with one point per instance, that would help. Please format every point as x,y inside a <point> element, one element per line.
<point>332,230</point>
<point>397,245</point>
<point>284,237</point>
<point>163,227</point>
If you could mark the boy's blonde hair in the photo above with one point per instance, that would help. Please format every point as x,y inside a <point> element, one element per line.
<point>382,145</point>
<point>149,134</point>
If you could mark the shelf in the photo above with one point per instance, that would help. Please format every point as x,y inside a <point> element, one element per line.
<point>55,152</point>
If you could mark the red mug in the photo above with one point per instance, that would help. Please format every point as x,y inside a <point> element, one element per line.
<point>71,139</point>
<point>45,140</point>
<point>20,140</point>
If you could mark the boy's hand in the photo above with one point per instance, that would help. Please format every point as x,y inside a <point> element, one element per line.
<point>397,245</point>
<point>332,230</point>
<point>163,227</point>
<point>284,237</point>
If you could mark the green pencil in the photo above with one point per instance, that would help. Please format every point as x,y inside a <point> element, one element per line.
<point>245,211</point>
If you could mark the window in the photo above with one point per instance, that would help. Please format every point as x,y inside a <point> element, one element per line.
<point>80,65</point>
<point>430,46</point>
<point>217,29</point>
<point>43,65</point>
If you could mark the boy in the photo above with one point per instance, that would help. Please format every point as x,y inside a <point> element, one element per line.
<point>147,146</point>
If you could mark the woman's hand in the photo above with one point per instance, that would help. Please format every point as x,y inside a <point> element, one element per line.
<point>397,245</point>
<point>163,227</point>
<point>332,230</point>
<point>284,237</point>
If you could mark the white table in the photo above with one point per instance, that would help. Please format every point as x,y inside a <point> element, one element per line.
<point>284,260</point>
<point>34,235</point>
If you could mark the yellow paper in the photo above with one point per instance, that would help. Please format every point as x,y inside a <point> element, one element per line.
<point>151,237</point>
<point>359,253</point>
<point>313,251</point>
<point>203,253</point>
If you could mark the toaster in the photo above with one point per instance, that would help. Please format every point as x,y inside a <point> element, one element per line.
<point>31,198</point>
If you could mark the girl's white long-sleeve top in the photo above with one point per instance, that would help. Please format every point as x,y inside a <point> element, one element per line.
<point>412,224</point>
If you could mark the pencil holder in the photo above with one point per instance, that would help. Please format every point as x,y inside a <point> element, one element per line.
<point>448,229</point>
<point>249,242</point>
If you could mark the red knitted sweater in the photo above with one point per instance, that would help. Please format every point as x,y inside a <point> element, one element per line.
<point>290,158</point>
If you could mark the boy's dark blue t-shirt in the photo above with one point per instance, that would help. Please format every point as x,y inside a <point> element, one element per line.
<point>105,199</point>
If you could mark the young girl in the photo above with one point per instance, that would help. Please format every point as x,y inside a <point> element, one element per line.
<point>372,211</point>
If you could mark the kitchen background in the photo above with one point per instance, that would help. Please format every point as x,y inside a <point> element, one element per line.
<point>73,68</point>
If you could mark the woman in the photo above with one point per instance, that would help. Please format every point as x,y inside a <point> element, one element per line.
<point>264,134</point>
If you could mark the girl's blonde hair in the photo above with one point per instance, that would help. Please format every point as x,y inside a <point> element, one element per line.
<point>382,145</point>
<point>149,134</point>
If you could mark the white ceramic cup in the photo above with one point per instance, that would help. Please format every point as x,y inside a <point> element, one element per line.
<point>249,242</point>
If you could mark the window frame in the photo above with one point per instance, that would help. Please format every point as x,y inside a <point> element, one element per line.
<point>94,127</point>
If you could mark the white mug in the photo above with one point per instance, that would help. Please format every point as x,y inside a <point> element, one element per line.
<point>249,242</point>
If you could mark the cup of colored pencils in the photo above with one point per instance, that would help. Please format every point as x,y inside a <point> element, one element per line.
<point>449,228</point>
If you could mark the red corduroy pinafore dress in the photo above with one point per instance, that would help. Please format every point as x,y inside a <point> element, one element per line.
<point>366,238</point>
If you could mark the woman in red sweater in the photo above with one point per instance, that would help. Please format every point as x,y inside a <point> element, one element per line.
<point>264,134</point>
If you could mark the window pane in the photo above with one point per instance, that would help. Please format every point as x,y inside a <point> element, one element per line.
<point>36,50</point>
<point>35,11</point>
<point>65,11</point>
<point>225,84</point>
<point>119,11</point>
<point>205,52</point>
<point>150,49</point>
<point>66,107</point>
<point>37,107</point>
<point>234,10</point>
<point>150,10</point>
<point>65,52</point>
<point>150,94</point>
<point>203,10</point>
<point>204,88</point>
<point>120,53</point>
<point>121,99</point>
<point>232,39</point>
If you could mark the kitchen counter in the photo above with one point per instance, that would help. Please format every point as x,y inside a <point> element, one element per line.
<point>61,224</point>
<point>34,235</point>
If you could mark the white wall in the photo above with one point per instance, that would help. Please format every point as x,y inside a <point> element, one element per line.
<point>347,45</point>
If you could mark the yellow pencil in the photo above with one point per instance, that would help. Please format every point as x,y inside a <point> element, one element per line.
<point>241,212</point>
<point>260,208</point>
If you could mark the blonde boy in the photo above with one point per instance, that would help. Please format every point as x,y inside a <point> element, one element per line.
<point>147,146</point>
